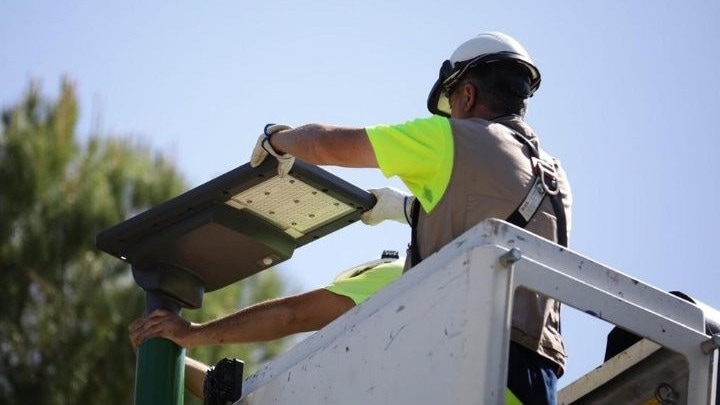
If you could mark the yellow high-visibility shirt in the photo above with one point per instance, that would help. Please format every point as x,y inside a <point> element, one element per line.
<point>420,152</point>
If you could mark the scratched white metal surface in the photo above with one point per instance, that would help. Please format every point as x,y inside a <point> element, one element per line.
<point>417,344</point>
<point>607,371</point>
<point>436,335</point>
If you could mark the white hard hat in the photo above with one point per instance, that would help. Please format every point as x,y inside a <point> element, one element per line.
<point>483,48</point>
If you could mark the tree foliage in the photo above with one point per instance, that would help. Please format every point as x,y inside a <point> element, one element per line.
<point>64,305</point>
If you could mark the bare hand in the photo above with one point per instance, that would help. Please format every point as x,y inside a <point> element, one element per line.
<point>164,324</point>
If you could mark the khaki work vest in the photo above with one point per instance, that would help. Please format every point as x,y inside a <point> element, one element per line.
<point>490,177</point>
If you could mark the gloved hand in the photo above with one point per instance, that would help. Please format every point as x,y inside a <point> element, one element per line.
<point>391,204</point>
<point>263,148</point>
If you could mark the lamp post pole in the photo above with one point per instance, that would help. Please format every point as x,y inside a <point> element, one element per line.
<point>160,368</point>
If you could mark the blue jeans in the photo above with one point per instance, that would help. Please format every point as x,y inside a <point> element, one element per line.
<point>531,377</point>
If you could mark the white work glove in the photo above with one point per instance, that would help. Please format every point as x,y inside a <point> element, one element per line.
<point>391,204</point>
<point>263,148</point>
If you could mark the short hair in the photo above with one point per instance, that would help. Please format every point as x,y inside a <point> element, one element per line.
<point>502,86</point>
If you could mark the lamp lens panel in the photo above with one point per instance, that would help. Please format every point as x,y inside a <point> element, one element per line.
<point>292,205</point>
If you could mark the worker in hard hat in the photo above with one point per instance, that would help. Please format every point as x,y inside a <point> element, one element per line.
<point>271,319</point>
<point>474,158</point>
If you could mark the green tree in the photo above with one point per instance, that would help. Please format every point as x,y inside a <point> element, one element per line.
<point>64,305</point>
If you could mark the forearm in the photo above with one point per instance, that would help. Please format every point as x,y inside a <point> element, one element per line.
<point>274,319</point>
<point>195,373</point>
<point>327,145</point>
<point>258,323</point>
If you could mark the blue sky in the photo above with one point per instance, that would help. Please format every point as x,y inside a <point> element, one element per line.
<point>627,102</point>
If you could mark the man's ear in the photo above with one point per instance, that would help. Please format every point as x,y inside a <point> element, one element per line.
<point>469,97</point>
